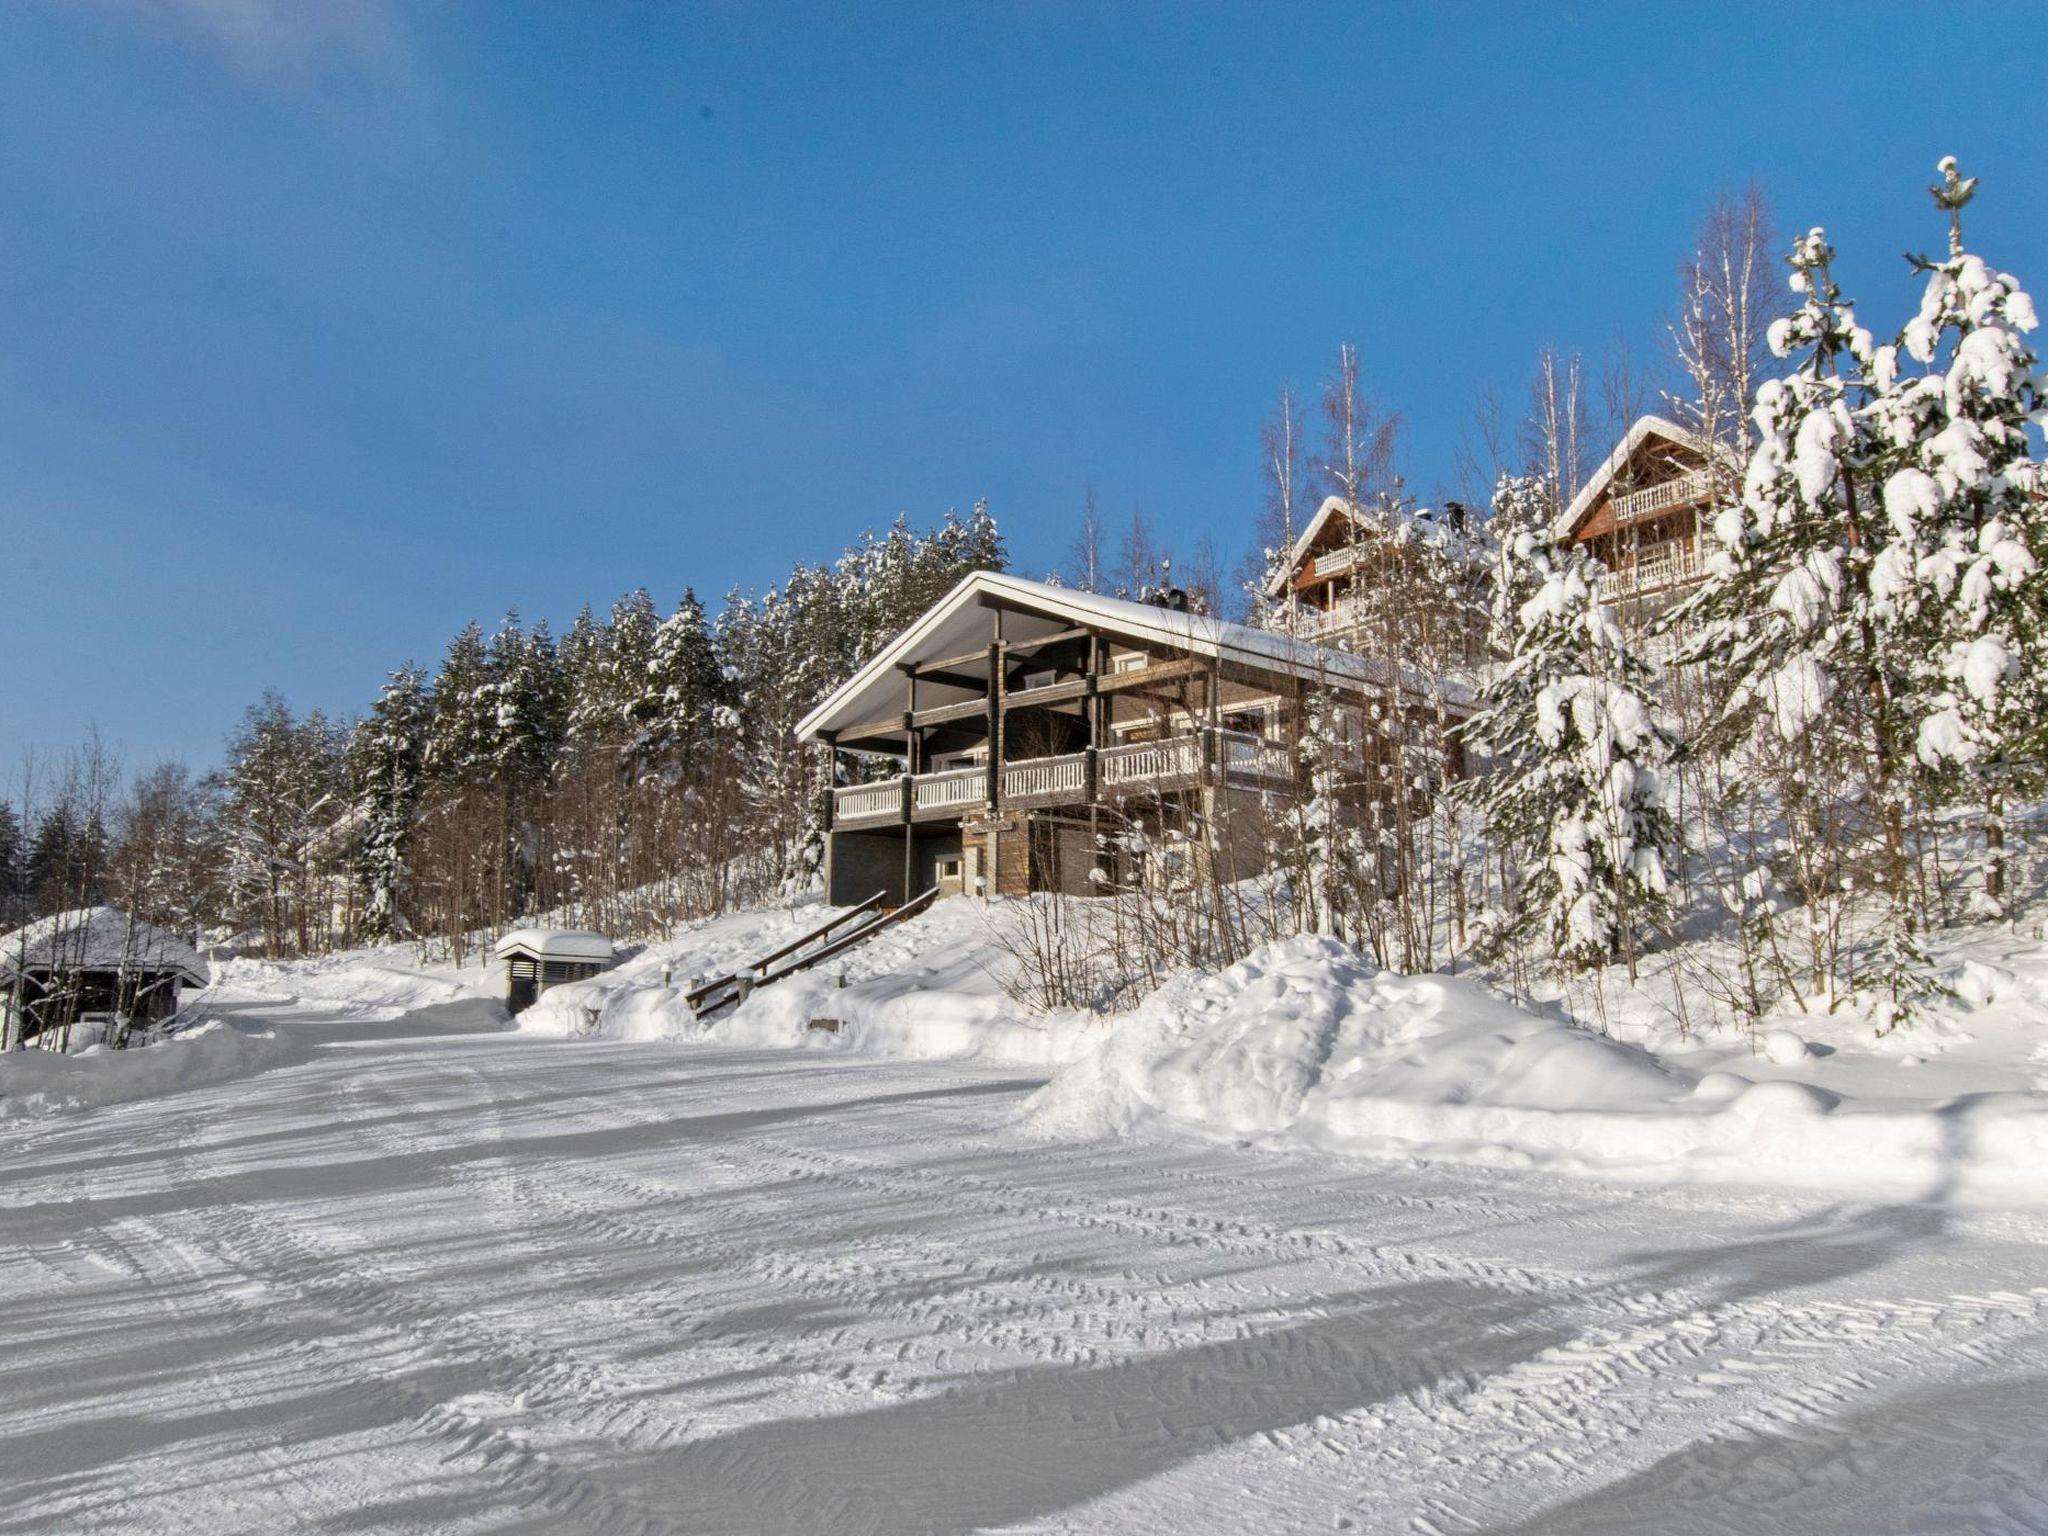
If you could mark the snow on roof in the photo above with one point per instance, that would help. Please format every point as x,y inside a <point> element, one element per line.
<point>98,939</point>
<point>1331,506</point>
<point>1645,427</point>
<point>1276,583</point>
<point>555,944</point>
<point>958,624</point>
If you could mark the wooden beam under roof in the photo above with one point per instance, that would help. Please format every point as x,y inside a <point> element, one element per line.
<point>934,669</point>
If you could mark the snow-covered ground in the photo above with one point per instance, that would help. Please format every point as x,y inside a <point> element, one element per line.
<point>418,1272</point>
<point>932,988</point>
<point>1306,1044</point>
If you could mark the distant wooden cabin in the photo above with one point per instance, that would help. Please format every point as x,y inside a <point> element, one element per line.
<point>539,958</point>
<point>1016,714</point>
<point>1644,511</point>
<point>1339,571</point>
<point>89,971</point>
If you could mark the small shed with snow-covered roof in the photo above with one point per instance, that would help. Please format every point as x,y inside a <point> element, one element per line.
<point>94,962</point>
<point>539,958</point>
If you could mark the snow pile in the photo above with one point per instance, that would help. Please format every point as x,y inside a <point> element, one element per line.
<point>363,981</point>
<point>1307,1042</point>
<point>50,1082</point>
<point>630,1002</point>
<point>930,988</point>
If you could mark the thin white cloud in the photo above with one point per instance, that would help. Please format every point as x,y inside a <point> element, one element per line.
<point>283,41</point>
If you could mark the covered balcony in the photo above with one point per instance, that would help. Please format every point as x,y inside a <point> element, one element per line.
<point>1074,778</point>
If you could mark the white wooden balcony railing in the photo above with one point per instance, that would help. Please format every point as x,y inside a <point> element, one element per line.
<point>1343,618</point>
<point>1652,570</point>
<point>1335,562</point>
<point>1679,491</point>
<point>1148,762</point>
<point>1255,757</point>
<point>955,787</point>
<point>1040,778</point>
<point>1175,762</point>
<point>858,802</point>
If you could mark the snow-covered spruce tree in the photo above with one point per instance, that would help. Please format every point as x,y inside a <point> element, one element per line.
<point>616,698</point>
<point>1579,787</point>
<point>13,869</point>
<point>280,788</point>
<point>686,766</point>
<point>523,689</point>
<point>1804,673</point>
<point>386,767</point>
<point>462,742</point>
<point>1962,581</point>
<point>687,690</point>
<point>1521,505</point>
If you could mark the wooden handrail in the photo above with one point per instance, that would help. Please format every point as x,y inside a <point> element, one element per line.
<point>815,934</point>
<point>695,998</point>
<point>706,998</point>
<point>866,931</point>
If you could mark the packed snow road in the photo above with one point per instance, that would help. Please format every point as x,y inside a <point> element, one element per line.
<point>435,1278</point>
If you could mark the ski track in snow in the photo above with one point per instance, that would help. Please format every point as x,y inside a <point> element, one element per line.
<point>508,1284</point>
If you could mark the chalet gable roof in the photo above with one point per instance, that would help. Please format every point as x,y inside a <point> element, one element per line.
<point>958,624</point>
<point>1645,428</point>
<point>1425,524</point>
<point>1332,507</point>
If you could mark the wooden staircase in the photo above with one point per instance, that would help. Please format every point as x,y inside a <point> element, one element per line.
<point>833,938</point>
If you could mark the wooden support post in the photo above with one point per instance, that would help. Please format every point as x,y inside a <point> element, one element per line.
<point>831,740</point>
<point>1091,718</point>
<point>998,664</point>
<point>995,723</point>
<point>910,766</point>
<point>1094,710</point>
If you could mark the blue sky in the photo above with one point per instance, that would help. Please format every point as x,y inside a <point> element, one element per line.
<point>323,329</point>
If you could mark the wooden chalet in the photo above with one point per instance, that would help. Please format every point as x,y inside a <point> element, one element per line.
<point>1341,564</point>
<point>1017,713</point>
<point>1644,511</point>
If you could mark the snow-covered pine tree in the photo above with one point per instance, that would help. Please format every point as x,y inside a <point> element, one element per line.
<point>768,650</point>
<point>1579,789</point>
<point>688,691</point>
<point>579,656</point>
<point>280,783</point>
<point>13,869</point>
<point>386,767</point>
<point>1521,506</point>
<point>1806,673</point>
<point>1962,582</point>
<point>65,861</point>
<point>616,697</point>
<point>526,687</point>
<point>462,746</point>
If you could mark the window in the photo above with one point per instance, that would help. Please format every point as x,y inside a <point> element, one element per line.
<point>949,869</point>
<point>1040,679</point>
<point>1249,719</point>
<point>1134,661</point>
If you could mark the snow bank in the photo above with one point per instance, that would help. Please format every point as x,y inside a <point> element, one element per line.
<point>50,1082</point>
<point>1306,1042</point>
<point>257,1015</point>
<point>931,988</point>
<point>629,1002</point>
<point>350,982</point>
